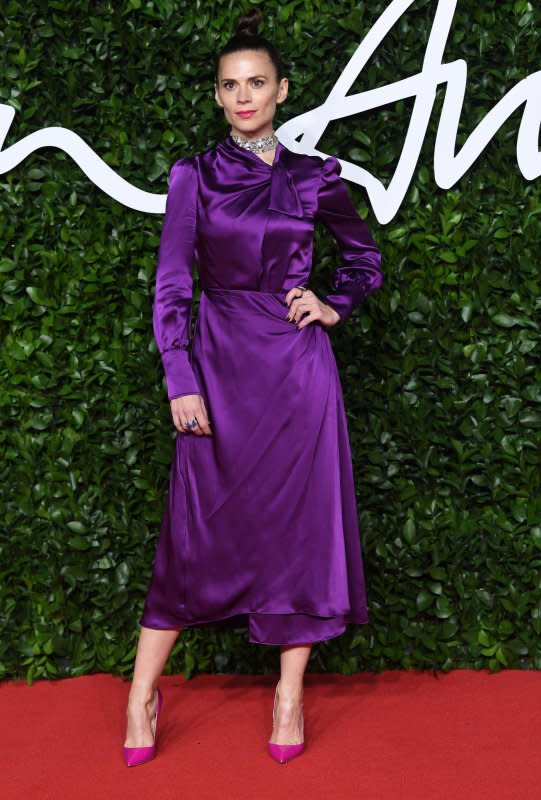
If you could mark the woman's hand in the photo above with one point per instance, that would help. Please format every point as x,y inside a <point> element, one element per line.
<point>305,302</point>
<point>190,407</point>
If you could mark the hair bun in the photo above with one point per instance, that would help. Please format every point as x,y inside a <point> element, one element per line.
<point>248,23</point>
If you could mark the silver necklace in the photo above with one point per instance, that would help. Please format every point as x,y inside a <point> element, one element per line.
<point>257,145</point>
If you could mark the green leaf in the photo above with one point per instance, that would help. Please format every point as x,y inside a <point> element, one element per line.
<point>78,543</point>
<point>483,638</point>
<point>77,527</point>
<point>424,600</point>
<point>37,295</point>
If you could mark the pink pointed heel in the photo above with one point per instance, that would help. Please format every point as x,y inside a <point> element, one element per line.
<point>133,756</point>
<point>283,752</point>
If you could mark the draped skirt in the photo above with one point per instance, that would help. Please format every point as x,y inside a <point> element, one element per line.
<point>260,526</point>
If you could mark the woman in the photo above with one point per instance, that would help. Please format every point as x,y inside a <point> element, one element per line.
<point>260,525</point>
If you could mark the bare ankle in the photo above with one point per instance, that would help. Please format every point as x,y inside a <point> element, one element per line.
<point>290,692</point>
<point>141,693</point>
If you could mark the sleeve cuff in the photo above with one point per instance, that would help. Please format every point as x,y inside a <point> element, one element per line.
<point>179,375</point>
<point>343,305</point>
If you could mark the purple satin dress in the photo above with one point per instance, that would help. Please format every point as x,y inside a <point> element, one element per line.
<point>260,527</point>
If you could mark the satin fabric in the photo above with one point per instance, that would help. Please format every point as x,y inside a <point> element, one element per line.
<point>260,525</point>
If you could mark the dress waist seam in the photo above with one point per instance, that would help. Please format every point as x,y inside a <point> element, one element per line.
<point>212,289</point>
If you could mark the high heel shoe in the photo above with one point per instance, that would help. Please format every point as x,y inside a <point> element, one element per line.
<point>283,752</point>
<point>133,756</point>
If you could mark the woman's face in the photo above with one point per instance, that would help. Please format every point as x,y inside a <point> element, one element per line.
<point>247,82</point>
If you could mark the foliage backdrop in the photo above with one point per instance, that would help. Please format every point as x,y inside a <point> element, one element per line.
<point>440,369</point>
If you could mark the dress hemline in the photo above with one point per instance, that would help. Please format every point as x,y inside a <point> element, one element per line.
<point>304,627</point>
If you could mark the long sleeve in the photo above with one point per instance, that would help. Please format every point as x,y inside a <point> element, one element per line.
<point>360,274</point>
<point>172,310</point>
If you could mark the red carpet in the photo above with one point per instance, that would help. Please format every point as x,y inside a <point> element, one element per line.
<point>464,735</point>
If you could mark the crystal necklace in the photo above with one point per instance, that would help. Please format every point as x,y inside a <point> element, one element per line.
<point>257,145</point>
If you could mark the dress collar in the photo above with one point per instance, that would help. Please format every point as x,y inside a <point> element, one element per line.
<point>245,154</point>
<point>283,195</point>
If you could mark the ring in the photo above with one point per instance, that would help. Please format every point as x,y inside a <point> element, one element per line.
<point>303,288</point>
<point>191,424</point>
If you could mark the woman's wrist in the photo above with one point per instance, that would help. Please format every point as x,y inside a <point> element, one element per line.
<point>335,314</point>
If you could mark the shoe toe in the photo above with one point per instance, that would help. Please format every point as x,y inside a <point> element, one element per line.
<point>133,756</point>
<point>285,752</point>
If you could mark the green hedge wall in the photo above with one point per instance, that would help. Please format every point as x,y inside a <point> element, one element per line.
<point>440,370</point>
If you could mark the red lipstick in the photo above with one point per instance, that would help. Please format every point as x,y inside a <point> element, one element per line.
<point>245,114</point>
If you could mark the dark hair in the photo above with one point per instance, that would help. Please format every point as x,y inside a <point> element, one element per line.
<point>246,37</point>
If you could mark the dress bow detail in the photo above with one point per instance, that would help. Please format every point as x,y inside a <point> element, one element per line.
<point>283,192</point>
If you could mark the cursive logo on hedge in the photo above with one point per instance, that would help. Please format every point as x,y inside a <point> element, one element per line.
<point>309,127</point>
<point>448,167</point>
<point>91,164</point>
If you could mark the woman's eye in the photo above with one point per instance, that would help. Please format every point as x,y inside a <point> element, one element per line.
<point>257,81</point>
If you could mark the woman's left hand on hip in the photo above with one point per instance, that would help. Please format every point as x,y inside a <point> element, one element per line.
<point>305,307</point>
